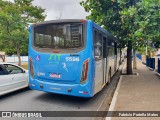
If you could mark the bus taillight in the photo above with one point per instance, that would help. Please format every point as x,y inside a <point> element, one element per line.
<point>83,21</point>
<point>84,75</point>
<point>31,67</point>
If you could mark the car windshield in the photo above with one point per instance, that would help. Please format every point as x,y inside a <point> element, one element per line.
<point>60,38</point>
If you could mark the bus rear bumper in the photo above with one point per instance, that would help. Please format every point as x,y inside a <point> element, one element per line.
<point>66,89</point>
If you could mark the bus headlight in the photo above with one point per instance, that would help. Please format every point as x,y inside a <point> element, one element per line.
<point>84,74</point>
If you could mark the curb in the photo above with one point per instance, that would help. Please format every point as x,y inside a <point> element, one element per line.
<point>157,73</point>
<point>114,99</point>
<point>150,68</point>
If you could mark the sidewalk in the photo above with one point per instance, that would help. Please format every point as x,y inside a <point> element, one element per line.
<point>138,93</point>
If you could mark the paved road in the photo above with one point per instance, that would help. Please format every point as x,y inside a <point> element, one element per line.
<point>31,100</point>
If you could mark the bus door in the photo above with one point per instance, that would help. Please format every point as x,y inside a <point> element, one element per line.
<point>104,60</point>
<point>98,54</point>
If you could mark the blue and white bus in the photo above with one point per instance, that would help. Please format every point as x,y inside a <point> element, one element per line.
<point>71,57</point>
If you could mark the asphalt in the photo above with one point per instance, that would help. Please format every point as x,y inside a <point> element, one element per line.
<point>139,92</point>
<point>31,100</point>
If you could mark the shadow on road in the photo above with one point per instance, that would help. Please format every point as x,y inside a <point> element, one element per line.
<point>15,93</point>
<point>53,98</point>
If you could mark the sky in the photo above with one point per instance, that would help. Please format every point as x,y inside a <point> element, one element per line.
<point>63,9</point>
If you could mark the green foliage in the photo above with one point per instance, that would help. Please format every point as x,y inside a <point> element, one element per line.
<point>106,14</point>
<point>135,20</point>
<point>103,12</point>
<point>14,21</point>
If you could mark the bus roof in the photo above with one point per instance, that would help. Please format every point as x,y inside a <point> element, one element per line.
<point>59,21</point>
<point>104,31</point>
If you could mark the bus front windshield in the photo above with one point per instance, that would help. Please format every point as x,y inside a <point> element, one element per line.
<point>60,38</point>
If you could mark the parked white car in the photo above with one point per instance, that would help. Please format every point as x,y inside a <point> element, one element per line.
<point>12,78</point>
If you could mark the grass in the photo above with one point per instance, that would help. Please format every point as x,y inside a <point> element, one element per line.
<point>25,65</point>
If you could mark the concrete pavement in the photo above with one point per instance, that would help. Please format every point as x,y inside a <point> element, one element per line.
<point>137,93</point>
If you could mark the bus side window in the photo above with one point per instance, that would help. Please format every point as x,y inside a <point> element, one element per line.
<point>97,45</point>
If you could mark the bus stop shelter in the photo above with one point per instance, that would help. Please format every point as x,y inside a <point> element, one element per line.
<point>2,56</point>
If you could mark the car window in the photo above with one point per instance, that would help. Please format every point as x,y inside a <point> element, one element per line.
<point>13,69</point>
<point>2,71</point>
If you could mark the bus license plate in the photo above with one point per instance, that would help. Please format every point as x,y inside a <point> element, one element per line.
<point>52,75</point>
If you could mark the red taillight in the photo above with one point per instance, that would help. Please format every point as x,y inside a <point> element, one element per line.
<point>56,51</point>
<point>85,71</point>
<point>31,67</point>
<point>85,92</point>
<point>83,21</point>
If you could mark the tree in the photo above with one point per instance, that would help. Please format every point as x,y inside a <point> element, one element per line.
<point>107,13</point>
<point>127,19</point>
<point>14,21</point>
<point>148,22</point>
<point>133,22</point>
<point>143,22</point>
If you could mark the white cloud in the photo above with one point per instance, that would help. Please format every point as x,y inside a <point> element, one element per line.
<point>67,9</point>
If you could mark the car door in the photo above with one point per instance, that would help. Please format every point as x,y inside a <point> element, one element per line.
<point>5,80</point>
<point>19,78</point>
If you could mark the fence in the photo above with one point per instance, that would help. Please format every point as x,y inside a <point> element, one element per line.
<point>153,63</point>
<point>14,59</point>
<point>139,56</point>
<point>150,62</point>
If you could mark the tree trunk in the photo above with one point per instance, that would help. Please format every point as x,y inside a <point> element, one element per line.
<point>120,61</point>
<point>134,60</point>
<point>19,59</point>
<point>19,56</point>
<point>129,58</point>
